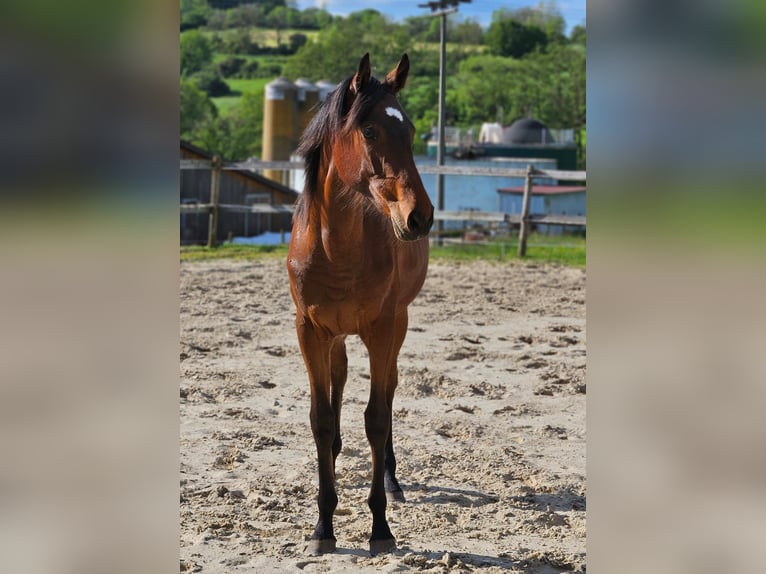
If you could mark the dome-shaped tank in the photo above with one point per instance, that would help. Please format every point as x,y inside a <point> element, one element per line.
<point>280,125</point>
<point>528,131</point>
<point>308,98</point>
<point>325,87</point>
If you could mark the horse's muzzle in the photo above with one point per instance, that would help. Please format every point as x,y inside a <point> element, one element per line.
<point>418,226</point>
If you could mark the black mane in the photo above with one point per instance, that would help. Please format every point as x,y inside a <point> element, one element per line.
<point>331,119</point>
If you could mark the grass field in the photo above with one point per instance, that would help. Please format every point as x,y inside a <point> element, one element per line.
<point>224,104</point>
<point>561,250</point>
<point>243,86</point>
<point>239,87</point>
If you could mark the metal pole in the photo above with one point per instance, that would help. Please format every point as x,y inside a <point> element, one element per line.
<point>441,8</point>
<point>440,128</point>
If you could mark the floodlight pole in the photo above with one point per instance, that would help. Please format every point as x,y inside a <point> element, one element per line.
<point>440,128</point>
<point>441,8</point>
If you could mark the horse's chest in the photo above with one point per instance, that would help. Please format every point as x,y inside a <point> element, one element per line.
<point>342,300</point>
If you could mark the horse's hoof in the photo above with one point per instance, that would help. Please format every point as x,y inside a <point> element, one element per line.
<point>381,546</point>
<point>395,496</point>
<point>323,546</point>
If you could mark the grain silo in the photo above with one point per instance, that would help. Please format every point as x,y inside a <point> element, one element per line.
<point>308,98</point>
<point>280,125</point>
<point>325,87</point>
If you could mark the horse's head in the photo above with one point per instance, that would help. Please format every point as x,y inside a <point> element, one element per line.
<point>373,151</point>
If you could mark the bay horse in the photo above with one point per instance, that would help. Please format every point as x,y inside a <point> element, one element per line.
<point>358,257</point>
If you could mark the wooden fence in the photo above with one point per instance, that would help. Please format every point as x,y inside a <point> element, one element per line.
<point>523,219</point>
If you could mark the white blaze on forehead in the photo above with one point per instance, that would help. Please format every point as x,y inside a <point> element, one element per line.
<point>394,113</point>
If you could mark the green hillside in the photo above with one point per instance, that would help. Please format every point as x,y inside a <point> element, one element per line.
<point>520,65</point>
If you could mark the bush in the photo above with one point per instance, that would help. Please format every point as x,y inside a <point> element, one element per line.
<point>231,66</point>
<point>239,42</point>
<point>192,21</point>
<point>209,80</point>
<point>297,41</point>
<point>250,70</point>
<point>216,20</point>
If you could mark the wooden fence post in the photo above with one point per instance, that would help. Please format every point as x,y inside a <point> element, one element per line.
<point>215,187</point>
<point>524,227</point>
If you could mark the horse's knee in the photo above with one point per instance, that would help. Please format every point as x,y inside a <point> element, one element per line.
<point>323,428</point>
<point>377,424</point>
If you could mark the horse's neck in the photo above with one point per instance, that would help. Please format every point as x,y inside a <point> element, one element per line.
<point>339,221</point>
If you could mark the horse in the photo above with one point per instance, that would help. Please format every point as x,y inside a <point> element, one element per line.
<point>358,256</point>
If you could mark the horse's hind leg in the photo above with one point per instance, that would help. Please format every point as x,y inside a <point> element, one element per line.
<point>338,375</point>
<point>316,355</point>
<point>394,492</point>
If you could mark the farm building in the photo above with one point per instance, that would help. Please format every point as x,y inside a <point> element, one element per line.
<point>547,200</point>
<point>237,187</point>
<point>526,137</point>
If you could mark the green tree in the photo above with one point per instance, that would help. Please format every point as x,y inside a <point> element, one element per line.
<point>578,35</point>
<point>336,51</point>
<point>195,109</point>
<point>216,20</point>
<point>209,80</point>
<point>514,39</point>
<point>237,135</point>
<point>239,42</point>
<point>544,15</point>
<point>196,52</point>
<point>548,86</point>
<point>282,17</point>
<point>466,32</point>
<point>194,13</point>
<point>314,19</point>
<point>246,16</point>
<point>231,66</point>
<point>484,89</point>
<point>418,26</point>
<point>420,99</point>
<point>296,41</point>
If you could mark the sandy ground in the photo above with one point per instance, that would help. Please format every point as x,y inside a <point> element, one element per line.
<point>489,426</point>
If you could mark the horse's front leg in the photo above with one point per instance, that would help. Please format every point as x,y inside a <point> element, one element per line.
<point>315,347</point>
<point>377,417</point>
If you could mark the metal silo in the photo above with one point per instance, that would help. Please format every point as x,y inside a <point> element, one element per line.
<point>280,125</point>
<point>308,98</point>
<point>325,87</point>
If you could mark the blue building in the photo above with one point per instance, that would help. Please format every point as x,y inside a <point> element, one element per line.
<point>547,200</point>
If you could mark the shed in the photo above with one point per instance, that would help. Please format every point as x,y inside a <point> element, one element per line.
<point>237,187</point>
<point>545,200</point>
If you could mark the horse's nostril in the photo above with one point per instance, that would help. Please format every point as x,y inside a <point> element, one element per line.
<point>416,223</point>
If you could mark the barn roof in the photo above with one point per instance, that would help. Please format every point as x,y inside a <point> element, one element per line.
<point>544,189</point>
<point>198,151</point>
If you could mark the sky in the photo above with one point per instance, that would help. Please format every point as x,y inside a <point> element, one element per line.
<point>573,11</point>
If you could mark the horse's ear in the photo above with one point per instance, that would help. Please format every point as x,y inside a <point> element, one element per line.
<point>362,75</point>
<point>397,77</point>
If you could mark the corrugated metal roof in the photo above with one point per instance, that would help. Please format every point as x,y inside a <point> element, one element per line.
<point>204,154</point>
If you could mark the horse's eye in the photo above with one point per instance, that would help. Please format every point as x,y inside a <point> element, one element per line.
<point>368,132</point>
